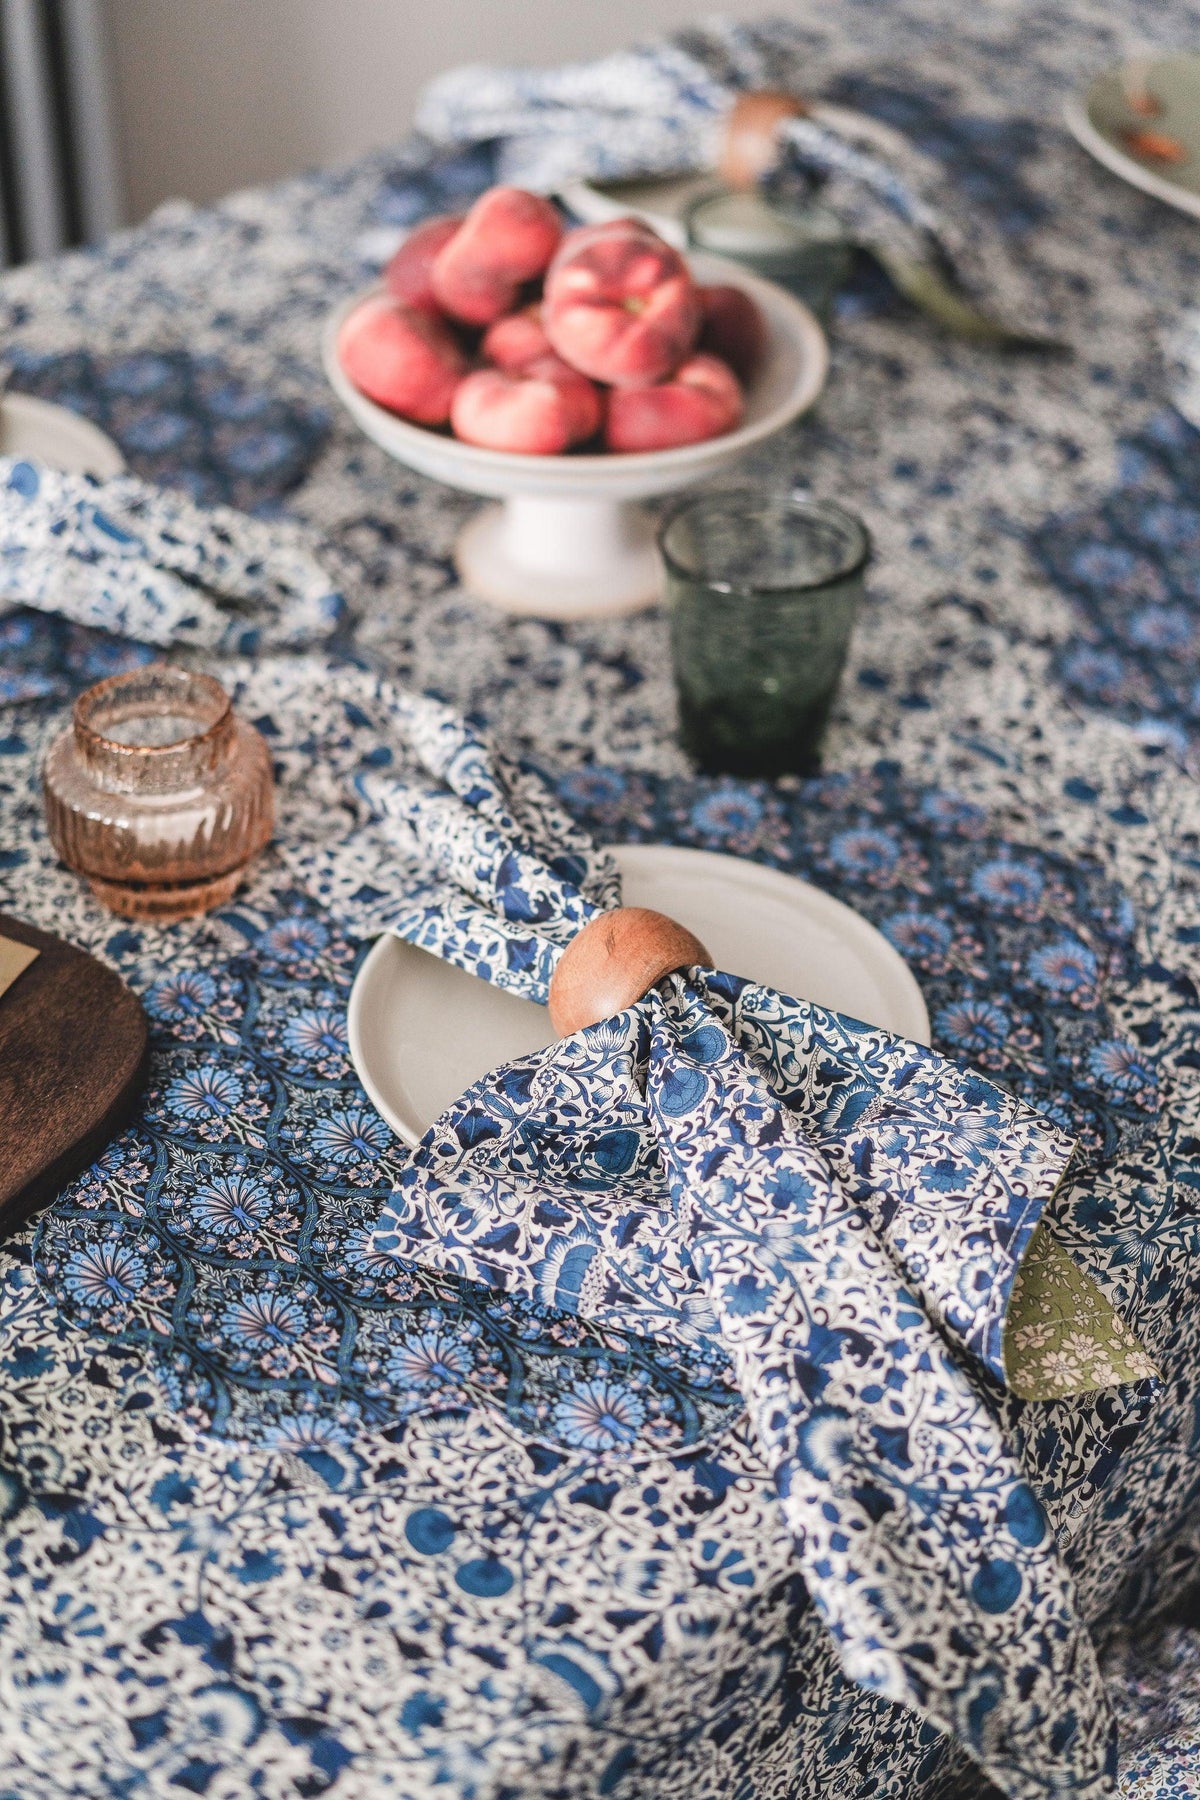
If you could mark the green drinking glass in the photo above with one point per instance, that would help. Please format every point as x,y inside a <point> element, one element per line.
<point>763,593</point>
<point>805,250</point>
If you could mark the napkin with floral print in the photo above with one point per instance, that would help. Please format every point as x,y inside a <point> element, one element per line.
<point>660,109</point>
<point>150,564</point>
<point>846,1213</point>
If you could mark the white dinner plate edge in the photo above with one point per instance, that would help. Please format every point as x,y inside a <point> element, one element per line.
<point>843,918</point>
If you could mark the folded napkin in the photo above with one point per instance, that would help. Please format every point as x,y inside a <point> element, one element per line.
<point>843,1213</point>
<point>150,564</point>
<point>661,110</point>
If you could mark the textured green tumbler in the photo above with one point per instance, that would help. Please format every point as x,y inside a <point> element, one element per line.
<point>763,593</point>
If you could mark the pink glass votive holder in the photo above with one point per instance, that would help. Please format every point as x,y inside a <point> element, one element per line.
<point>158,793</point>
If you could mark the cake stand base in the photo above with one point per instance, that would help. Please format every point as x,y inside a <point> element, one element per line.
<point>542,557</point>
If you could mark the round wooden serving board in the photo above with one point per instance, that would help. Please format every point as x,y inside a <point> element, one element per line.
<point>73,1052</point>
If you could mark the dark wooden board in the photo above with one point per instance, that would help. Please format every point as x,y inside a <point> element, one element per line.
<point>72,1063</point>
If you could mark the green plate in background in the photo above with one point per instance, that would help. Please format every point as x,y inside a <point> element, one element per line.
<point>1103,119</point>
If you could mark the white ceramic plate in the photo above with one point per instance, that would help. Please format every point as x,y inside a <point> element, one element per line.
<point>421,1031</point>
<point>57,437</point>
<point>1099,120</point>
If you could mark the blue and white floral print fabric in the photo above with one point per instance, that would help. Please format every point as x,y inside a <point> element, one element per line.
<point>660,110</point>
<point>150,564</point>
<point>847,1211</point>
<point>514,878</point>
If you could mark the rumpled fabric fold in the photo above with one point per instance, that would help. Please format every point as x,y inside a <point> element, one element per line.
<point>150,564</point>
<point>842,1213</point>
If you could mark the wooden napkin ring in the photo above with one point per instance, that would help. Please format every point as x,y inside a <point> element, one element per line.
<point>614,960</point>
<point>749,150</point>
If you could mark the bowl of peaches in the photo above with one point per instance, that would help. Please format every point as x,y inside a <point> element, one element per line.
<point>568,375</point>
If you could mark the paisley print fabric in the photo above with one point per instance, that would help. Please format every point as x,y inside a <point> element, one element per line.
<point>555,1561</point>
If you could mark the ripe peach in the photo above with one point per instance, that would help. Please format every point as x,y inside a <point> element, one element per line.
<point>581,397</point>
<point>407,274</point>
<point>732,328</point>
<point>619,304</point>
<point>506,239</point>
<point>517,339</point>
<point>701,400</point>
<point>402,358</point>
<point>542,410</point>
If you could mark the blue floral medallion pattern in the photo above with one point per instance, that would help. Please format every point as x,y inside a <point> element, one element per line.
<point>1129,566</point>
<point>188,422</point>
<point>507,1548</point>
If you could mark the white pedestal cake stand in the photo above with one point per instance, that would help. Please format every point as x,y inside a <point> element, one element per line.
<point>569,540</point>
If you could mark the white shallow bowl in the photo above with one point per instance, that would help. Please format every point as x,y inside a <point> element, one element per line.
<point>1097,118</point>
<point>569,540</point>
<point>421,1031</point>
<point>55,436</point>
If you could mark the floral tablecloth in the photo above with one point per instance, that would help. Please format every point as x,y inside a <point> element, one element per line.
<point>280,1516</point>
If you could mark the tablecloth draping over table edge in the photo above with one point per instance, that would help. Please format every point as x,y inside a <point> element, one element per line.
<point>953,681</point>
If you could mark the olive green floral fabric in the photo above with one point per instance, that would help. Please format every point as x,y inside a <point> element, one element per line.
<point>1061,1336</point>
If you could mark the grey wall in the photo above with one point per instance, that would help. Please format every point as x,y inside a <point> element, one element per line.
<point>218,94</point>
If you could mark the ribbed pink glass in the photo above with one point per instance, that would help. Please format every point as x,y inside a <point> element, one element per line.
<point>158,793</point>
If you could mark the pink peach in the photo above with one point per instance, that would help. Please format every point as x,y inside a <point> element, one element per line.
<point>539,411</point>
<point>581,397</point>
<point>506,239</point>
<point>407,274</point>
<point>517,339</point>
<point>732,328</point>
<point>402,358</point>
<point>701,400</point>
<point>619,304</point>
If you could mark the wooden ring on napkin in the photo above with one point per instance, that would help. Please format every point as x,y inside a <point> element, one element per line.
<point>748,148</point>
<point>614,960</point>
